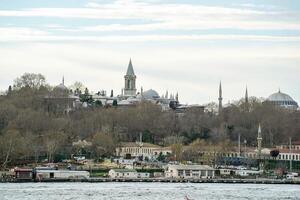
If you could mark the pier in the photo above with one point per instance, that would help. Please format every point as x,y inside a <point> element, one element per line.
<point>165,180</point>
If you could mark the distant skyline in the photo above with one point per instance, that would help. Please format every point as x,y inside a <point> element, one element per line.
<point>184,46</point>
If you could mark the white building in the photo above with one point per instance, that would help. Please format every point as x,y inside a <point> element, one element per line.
<point>189,171</point>
<point>122,173</point>
<point>140,149</point>
<point>60,174</point>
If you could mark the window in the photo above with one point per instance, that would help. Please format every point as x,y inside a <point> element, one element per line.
<point>187,172</point>
<point>128,84</point>
<point>180,172</point>
<point>203,173</point>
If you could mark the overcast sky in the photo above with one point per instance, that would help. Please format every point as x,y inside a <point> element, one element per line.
<point>184,46</point>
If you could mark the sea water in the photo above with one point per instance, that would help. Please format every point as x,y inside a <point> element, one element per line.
<point>151,191</point>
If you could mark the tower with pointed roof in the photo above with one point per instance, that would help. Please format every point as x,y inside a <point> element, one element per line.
<point>220,98</point>
<point>246,96</point>
<point>259,141</point>
<point>130,78</point>
<point>246,100</point>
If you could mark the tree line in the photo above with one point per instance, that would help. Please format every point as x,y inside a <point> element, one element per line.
<point>29,132</point>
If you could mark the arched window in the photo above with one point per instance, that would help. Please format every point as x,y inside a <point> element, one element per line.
<point>128,84</point>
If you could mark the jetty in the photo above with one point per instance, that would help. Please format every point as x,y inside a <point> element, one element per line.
<point>165,180</point>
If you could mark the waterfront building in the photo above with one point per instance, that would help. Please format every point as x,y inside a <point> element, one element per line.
<point>122,173</point>
<point>189,171</point>
<point>60,174</point>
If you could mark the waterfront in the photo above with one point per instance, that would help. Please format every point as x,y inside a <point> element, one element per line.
<point>153,191</point>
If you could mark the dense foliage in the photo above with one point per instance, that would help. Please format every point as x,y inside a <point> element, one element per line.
<point>28,131</point>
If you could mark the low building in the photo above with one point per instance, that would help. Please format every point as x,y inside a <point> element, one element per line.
<point>122,173</point>
<point>60,174</point>
<point>23,174</point>
<point>246,173</point>
<point>130,150</point>
<point>286,154</point>
<point>189,171</point>
<point>143,175</point>
<point>294,145</point>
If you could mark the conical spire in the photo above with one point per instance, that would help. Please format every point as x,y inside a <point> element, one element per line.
<point>246,95</point>
<point>130,71</point>
<point>220,98</point>
<point>259,136</point>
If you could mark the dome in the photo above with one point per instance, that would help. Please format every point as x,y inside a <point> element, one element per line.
<point>283,100</point>
<point>150,94</point>
<point>61,87</point>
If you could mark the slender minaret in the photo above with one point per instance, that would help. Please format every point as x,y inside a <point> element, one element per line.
<point>259,141</point>
<point>246,96</point>
<point>220,98</point>
<point>130,77</point>
<point>246,100</point>
<point>177,99</point>
<point>63,80</point>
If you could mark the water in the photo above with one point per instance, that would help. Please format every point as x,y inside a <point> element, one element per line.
<point>146,191</point>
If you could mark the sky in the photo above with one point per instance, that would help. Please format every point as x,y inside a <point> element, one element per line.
<point>184,46</point>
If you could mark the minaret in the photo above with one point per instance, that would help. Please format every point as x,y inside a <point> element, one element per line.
<point>246,96</point>
<point>130,77</point>
<point>259,141</point>
<point>220,99</point>
<point>63,80</point>
<point>246,100</point>
<point>177,99</point>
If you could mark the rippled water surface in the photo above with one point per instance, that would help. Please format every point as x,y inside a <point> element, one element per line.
<point>151,191</point>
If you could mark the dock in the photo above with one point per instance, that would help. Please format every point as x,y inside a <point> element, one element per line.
<point>166,180</point>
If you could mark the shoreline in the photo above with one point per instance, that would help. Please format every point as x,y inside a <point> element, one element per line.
<point>162,180</point>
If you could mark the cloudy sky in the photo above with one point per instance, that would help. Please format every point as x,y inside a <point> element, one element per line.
<point>176,45</point>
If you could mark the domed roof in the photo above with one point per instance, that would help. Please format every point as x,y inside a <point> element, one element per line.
<point>282,99</point>
<point>279,96</point>
<point>150,94</point>
<point>61,87</point>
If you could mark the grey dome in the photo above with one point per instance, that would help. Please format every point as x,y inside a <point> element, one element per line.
<point>150,94</point>
<point>282,99</point>
<point>61,87</point>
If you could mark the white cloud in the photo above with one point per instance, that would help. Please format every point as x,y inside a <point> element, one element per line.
<point>167,16</point>
<point>19,34</point>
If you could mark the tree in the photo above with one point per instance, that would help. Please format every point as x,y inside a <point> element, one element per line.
<point>30,80</point>
<point>9,91</point>
<point>53,141</point>
<point>102,145</point>
<point>177,151</point>
<point>86,97</point>
<point>77,86</point>
<point>98,103</point>
<point>11,147</point>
